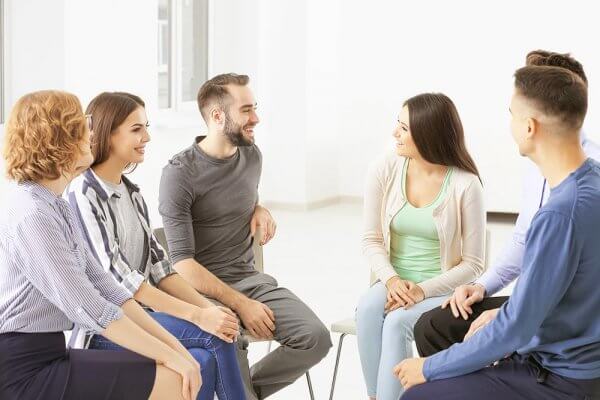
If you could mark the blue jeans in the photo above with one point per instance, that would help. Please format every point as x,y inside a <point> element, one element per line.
<point>385,340</point>
<point>218,361</point>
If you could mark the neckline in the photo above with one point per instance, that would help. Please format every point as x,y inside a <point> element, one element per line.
<point>210,158</point>
<point>443,187</point>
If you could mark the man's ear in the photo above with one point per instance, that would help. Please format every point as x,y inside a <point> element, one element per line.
<point>533,127</point>
<point>217,116</point>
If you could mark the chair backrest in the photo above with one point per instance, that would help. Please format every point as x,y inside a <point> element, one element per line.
<point>159,233</point>
<point>486,256</point>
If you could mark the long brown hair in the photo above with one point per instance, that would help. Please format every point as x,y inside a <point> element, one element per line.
<point>437,131</point>
<point>108,111</point>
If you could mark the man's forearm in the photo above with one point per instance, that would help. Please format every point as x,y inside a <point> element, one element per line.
<point>206,283</point>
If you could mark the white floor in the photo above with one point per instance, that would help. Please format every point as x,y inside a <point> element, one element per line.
<point>317,255</point>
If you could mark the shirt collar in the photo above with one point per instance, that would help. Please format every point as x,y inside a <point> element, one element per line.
<point>40,190</point>
<point>104,191</point>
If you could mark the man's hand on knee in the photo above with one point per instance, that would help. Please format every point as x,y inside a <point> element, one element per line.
<point>257,318</point>
<point>463,298</point>
<point>485,318</point>
<point>410,372</point>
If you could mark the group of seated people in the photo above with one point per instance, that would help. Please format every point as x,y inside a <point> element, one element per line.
<point>78,252</point>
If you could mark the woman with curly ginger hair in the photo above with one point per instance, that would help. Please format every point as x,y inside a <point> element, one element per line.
<point>49,279</point>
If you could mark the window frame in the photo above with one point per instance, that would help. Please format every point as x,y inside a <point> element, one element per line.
<point>174,66</point>
<point>2,63</point>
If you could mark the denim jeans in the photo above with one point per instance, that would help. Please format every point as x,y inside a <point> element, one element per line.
<point>385,340</point>
<point>217,359</point>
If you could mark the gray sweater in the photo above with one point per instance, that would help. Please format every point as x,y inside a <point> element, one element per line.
<point>206,205</point>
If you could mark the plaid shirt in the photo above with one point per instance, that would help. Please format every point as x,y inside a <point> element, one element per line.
<point>91,201</point>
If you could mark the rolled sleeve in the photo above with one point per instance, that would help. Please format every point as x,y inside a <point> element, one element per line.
<point>54,264</point>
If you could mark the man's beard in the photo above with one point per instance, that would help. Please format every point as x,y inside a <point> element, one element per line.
<point>235,133</point>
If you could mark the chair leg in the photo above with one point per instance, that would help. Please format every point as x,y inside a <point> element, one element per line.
<point>310,387</point>
<point>337,364</point>
<point>269,346</point>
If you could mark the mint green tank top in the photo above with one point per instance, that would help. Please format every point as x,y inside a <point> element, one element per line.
<point>414,240</point>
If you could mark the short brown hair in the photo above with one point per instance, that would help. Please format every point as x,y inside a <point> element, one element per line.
<point>108,111</point>
<point>215,91</point>
<point>43,137</point>
<point>556,91</point>
<point>552,59</point>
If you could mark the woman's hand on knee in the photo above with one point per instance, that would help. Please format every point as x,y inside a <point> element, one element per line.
<point>191,379</point>
<point>398,292</point>
<point>218,321</point>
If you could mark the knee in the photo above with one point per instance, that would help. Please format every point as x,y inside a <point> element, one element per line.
<point>369,307</point>
<point>422,326</point>
<point>400,321</point>
<point>316,340</point>
<point>414,393</point>
<point>208,364</point>
<point>431,320</point>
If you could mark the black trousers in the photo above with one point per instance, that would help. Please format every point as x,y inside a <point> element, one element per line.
<point>438,329</point>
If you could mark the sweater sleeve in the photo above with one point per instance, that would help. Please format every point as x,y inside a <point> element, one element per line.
<point>372,240</point>
<point>471,265</point>
<point>551,258</point>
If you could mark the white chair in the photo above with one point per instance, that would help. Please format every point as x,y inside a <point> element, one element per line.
<point>347,326</point>
<point>159,233</point>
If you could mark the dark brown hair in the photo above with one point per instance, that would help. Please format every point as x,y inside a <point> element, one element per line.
<point>215,91</point>
<point>556,91</point>
<point>552,59</point>
<point>437,131</point>
<point>108,111</point>
<point>44,136</point>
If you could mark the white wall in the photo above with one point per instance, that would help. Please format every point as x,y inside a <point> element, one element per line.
<point>329,77</point>
<point>468,50</point>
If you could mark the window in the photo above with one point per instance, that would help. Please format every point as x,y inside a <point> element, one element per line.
<point>182,50</point>
<point>2,34</point>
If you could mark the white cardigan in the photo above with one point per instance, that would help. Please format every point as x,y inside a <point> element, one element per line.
<point>460,222</point>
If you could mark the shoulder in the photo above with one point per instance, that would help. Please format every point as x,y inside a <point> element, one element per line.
<point>33,213</point>
<point>251,153</point>
<point>180,164</point>
<point>86,185</point>
<point>592,149</point>
<point>577,196</point>
<point>385,165</point>
<point>466,182</point>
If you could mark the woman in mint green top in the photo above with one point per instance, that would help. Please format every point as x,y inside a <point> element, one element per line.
<point>415,244</point>
<point>424,230</point>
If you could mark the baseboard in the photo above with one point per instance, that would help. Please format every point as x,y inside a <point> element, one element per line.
<point>499,216</point>
<point>312,205</point>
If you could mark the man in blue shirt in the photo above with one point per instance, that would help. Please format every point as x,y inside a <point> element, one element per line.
<point>471,306</point>
<point>547,335</point>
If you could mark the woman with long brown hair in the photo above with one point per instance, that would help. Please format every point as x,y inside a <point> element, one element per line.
<point>117,225</point>
<point>424,234</point>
